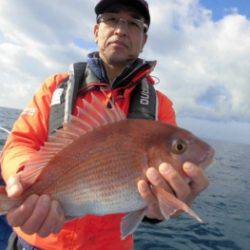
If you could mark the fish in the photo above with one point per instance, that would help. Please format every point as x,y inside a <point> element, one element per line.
<point>93,164</point>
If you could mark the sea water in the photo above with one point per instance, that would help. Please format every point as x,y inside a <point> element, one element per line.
<point>224,205</point>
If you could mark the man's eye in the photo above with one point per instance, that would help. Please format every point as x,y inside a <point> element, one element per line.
<point>133,24</point>
<point>111,20</point>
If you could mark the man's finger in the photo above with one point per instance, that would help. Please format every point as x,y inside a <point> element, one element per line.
<point>146,193</point>
<point>199,180</point>
<point>153,210</point>
<point>14,187</point>
<point>38,216</point>
<point>157,180</point>
<point>176,182</point>
<point>18,216</point>
<point>54,221</point>
<point>61,217</point>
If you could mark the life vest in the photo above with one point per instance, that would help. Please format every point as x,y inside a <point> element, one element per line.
<point>143,103</point>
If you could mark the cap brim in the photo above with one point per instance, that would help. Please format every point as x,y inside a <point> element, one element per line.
<point>142,9</point>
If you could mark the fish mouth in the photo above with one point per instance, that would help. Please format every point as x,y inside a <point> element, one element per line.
<point>207,159</point>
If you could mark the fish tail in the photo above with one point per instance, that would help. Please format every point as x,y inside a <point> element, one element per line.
<point>5,202</point>
<point>169,203</point>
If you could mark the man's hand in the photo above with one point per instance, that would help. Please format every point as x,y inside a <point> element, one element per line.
<point>37,214</point>
<point>169,179</point>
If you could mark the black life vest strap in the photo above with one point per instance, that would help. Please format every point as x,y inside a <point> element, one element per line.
<point>79,75</point>
<point>143,101</point>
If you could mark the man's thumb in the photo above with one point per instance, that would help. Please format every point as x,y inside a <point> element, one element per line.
<point>14,187</point>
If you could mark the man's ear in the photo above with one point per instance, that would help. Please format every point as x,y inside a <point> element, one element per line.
<point>96,31</point>
<point>145,38</point>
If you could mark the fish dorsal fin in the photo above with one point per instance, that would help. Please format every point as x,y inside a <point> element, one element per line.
<point>92,116</point>
<point>96,114</point>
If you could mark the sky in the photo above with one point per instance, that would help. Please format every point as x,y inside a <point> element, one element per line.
<point>202,49</point>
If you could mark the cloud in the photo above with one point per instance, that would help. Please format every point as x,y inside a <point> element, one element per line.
<point>37,39</point>
<point>47,21</point>
<point>203,64</point>
<point>215,97</point>
<point>197,55</point>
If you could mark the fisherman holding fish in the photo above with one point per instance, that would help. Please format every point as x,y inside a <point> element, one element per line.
<point>86,180</point>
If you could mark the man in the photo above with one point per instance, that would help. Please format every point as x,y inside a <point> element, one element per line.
<point>121,33</point>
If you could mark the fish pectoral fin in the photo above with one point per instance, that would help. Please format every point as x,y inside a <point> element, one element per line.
<point>131,221</point>
<point>168,204</point>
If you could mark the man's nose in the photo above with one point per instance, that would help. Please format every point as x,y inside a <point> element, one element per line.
<point>121,28</point>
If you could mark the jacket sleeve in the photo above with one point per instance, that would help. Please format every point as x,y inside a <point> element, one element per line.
<point>166,111</point>
<point>30,130</point>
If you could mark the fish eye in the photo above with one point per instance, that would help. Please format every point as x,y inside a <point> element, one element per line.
<point>179,146</point>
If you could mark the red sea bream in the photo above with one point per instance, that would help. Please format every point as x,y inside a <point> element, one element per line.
<point>93,164</point>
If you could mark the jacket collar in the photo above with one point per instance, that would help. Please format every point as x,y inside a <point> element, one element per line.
<point>129,73</point>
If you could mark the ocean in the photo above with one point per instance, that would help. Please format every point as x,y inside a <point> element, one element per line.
<point>224,205</point>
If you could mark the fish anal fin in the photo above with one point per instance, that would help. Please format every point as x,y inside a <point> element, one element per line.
<point>168,204</point>
<point>131,221</point>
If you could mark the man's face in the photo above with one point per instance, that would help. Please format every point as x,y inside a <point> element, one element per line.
<point>121,42</point>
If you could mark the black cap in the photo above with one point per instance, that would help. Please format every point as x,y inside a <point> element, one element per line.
<point>140,5</point>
